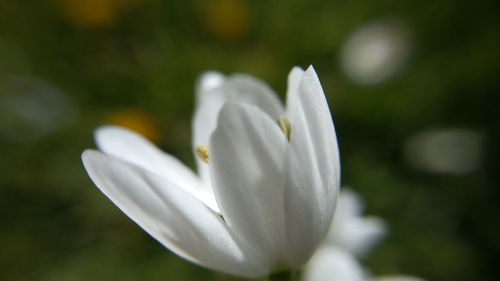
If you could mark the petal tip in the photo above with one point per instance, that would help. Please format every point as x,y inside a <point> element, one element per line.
<point>230,107</point>
<point>209,80</point>
<point>90,158</point>
<point>311,70</point>
<point>103,130</point>
<point>89,155</point>
<point>108,127</point>
<point>297,68</point>
<point>107,136</point>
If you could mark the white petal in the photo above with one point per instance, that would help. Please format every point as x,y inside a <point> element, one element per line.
<point>135,149</point>
<point>359,235</point>
<point>172,216</point>
<point>331,264</point>
<point>236,88</point>
<point>315,121</point>
<point>350,230</point>
<point>313,174</point>
<point>397,278</point>
<point>247,153</point>
<point>206,82</point>
<point>351,202</point>
<point>294,78</point>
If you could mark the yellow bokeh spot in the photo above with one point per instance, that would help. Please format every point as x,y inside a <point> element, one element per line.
<point>137,121</point>
<point>228,19</point>
<point>95,13</point>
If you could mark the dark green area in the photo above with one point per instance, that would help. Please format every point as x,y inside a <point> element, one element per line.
<point>56,226</point>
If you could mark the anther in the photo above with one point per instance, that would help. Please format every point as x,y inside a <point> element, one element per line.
<point>202,152</point>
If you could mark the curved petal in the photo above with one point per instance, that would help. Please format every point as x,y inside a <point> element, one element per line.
<point>313,172</point>
<point>247,152</point>
<point>134,148</point>
<point>236,88</point>
<point>172,216</point>
<point>350,230</point>
<point>330,263</point>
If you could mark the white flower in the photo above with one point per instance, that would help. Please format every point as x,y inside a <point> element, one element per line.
<point>375,52</point>
<point>334,264</point>
<point>350,230</point>
<point>450,151</point>
<point>351,236</point>
<point>265,199</point>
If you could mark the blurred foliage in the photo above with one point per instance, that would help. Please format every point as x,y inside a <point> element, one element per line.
<point>120,60</point>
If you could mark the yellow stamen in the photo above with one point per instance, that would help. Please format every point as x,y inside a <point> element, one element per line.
<point>285,126</point>
<point>202,152</point>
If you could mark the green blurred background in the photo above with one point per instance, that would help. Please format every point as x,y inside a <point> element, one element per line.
<point>414,87</point>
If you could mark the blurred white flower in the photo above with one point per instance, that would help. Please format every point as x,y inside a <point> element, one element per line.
<point>334,264</point>
<point>375,52</point>
<point>265,198</point>
<point>31,108</point>
<point>446,151</point>
<point>331,263</point>
<point>350,237</point>
<point>350,230</point>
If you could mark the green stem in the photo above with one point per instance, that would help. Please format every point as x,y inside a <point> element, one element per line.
<point>284,276</point>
